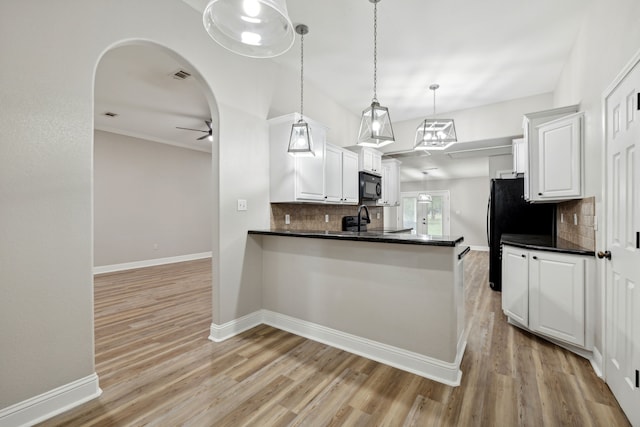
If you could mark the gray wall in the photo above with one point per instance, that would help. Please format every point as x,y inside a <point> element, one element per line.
<point>500,163</point>
<point>148,194</point>
<point>469,198</point>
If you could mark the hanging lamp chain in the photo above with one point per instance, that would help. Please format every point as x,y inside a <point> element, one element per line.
<point>375,52</point>
<point>302,76</point>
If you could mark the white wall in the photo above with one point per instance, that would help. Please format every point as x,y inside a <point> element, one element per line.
<point>608,39</point>
<point>46,153</point>
<point>469,198</point>
<point>148,194</point>
<point>500,163</point>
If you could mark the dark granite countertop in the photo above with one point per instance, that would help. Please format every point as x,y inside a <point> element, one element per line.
<point>544,243</point>
<point>368,236</point>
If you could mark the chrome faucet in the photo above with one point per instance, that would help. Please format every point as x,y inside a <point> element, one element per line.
<point>367,218</point>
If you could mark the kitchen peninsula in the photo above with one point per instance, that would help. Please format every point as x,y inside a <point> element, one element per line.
<point>394,298</point>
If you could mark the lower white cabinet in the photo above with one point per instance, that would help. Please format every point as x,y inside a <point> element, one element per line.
<point>341,175</point>
<point>549,293</point>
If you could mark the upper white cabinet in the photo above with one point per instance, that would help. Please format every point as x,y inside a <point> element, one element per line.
<point>390,183</point>
<point>369,160</point>
<point>520,157</point>
<point>550,293</point>
<point>553,140</point>
<point>559,160</point>
<point>341,175</point>
<point>295,179</point>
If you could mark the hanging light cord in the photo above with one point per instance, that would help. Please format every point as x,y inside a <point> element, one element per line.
<point>375,52</point>
<point>302,76</point>
<point>434,102</point>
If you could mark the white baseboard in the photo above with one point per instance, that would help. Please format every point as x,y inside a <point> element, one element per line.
<point>596,362</point>
<point>219,333</point>
<point>149,263</point>
<point>51,403</point>
<point>437,370</point>
<point>479,248</point>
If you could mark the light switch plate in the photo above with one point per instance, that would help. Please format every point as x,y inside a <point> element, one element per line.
<point>242,205</point>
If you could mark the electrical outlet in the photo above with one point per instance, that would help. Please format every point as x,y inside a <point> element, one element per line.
<point>561,218</point>
<point>326,218</point>
<point>287,219</point>
<point>377,215</point>
<point>595,222</point>
<point>575,219</point>
<point>242,205</point>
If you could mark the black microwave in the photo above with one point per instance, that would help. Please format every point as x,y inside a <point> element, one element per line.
<point>370,186</point>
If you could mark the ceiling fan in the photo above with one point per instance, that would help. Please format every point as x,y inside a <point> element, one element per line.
<point>209,133</point>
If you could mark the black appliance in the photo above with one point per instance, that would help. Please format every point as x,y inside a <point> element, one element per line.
<point>509,213</point>
<point>370,186</point>
<point>350,223</point>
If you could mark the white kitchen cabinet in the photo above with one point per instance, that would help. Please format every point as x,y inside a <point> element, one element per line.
<point>515,284</point>
<point>559,161</point>
<point>295,178</point>
<point>557,296</point>
<point>520,158</point>
<point>554,158</point>
<point>550,293</point>
<point>390,183</point>
<point>341,175</point>
<point>369,160</point>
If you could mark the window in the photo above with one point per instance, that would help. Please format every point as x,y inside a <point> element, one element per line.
<point>426,218</point>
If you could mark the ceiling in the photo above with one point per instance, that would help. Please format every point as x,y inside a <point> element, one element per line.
<point>480,52</point>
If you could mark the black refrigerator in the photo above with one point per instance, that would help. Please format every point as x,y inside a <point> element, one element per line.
<point>509,213</point>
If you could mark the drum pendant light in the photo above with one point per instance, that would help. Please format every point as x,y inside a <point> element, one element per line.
<point>435,134</point>
<point>375,126</point>
<point>254,28</point>
<point>300,141</point>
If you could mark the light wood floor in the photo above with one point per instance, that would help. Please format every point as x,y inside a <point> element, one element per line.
<point>156,367</point>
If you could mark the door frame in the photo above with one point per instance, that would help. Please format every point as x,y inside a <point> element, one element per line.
<point>603,271</point>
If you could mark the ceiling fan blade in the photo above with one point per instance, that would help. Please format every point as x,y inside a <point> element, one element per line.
<point>203,137</point>
<point>196,130</point>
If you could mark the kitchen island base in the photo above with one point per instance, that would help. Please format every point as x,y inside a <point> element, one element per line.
<point>399,304</point>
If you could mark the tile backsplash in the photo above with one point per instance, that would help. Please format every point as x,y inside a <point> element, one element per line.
<point>312,216</point>
<point>582,234</point>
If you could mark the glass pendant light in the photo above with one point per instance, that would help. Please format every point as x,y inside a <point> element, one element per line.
<point>300,141</point>
<point>424,197</point>
<point>254,28</point>
<point>435,134</point>
<point>375,127</point>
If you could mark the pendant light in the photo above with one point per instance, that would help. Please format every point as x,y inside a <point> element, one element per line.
<point>435,134</point>
<point>375,127</point>
<point>300,141</point>
<point>254,28</point>
<point>424,197</point>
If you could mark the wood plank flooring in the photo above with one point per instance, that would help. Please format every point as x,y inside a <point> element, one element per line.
<point>157,368</point>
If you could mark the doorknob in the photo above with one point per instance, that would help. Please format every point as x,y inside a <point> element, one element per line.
<point>605,254</point>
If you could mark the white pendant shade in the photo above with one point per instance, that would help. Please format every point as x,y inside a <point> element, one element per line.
<point>375,127</point>
<point>254,28</point>
<point>300,141</point>
<point>424,198</point>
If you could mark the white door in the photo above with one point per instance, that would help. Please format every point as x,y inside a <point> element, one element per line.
<point>622,312</point>
<point>515,284</point>
<point>427,218</point>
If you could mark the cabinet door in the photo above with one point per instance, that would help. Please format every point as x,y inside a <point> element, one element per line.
<point>519,156</point>
<point>310,170</point>
<point>384,197</point>
<point>350,185</point>
<point>560,159</point>
<point>367,160</point>
<point>515,284</point>
<point>557,296</point>
<point>333,174</point>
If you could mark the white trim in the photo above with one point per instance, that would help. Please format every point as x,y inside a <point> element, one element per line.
<point>51,403</point>
<point>149,263</point>
<point>596,362</point>
<point>219,333</point>
<point>443,372</point>
<point>479,248</point>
